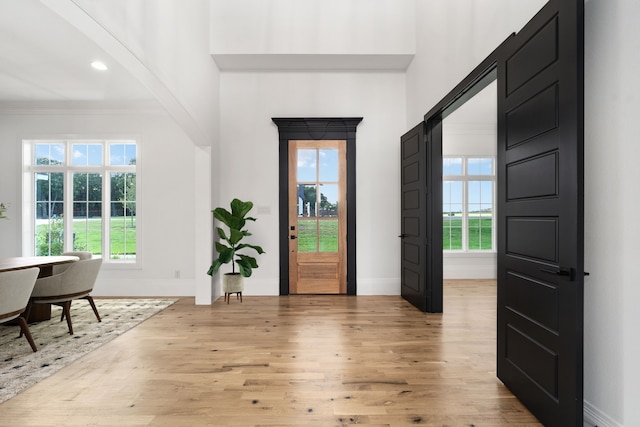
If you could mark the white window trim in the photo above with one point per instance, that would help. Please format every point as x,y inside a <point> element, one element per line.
<point>28,192</point>
<point>464,178</point>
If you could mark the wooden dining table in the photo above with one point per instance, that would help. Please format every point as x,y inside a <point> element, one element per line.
<point>39,312</point>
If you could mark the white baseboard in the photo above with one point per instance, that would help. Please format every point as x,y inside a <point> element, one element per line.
<point>374,286</point>
<point>144,288</point>
<point>593,417</point>
<point>469,265</point>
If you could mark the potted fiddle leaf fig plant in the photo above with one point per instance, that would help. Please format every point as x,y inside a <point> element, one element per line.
<point>229,247</point>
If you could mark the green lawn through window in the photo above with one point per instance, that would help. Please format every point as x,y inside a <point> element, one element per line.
<point>479,231</point>
<point>88,236</point>
<point>307,235</point>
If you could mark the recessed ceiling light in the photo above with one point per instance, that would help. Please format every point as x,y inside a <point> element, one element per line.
<point>99,65</point>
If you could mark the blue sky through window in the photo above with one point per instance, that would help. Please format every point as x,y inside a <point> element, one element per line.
<point>87,155</point>
<point>452,166</point>
<point>306,165</point>
<point>122,154</point>
<point>480,192</point>
<point>49,154</point>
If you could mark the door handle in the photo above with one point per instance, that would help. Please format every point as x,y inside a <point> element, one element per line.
<point>402,236</point>
<point>293,237</point>
<point>562,271</point>
<point>558,272</point>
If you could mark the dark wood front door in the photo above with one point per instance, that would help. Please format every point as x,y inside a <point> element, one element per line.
<point>540,214</point>
<point>421,216</point>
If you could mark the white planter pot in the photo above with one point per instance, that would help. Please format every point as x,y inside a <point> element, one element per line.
<point>232,283</point>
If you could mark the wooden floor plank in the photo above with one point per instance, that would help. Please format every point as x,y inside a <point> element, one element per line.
<point>289,361</point>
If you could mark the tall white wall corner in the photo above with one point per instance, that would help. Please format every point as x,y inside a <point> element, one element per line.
<point>203,226</point>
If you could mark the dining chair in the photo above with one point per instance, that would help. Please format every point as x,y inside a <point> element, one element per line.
<point>61,289</point>
<point>15,289</point>
<point>57,269</point>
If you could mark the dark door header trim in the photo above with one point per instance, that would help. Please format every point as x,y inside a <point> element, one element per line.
<point>317,128</point>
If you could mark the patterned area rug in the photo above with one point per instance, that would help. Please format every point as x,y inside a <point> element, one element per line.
<point>21,368</point>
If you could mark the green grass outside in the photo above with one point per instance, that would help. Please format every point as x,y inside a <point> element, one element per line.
<point>479,232</point>
<point>88,235</point>
<point>308,235</point>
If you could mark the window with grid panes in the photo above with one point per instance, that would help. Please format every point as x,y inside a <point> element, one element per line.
<point>84,197</point>
<point>468,193</point>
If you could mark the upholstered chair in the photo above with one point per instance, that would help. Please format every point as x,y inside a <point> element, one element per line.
<point>57,269</point>
<point>75,282</point>
<point>15,289</point>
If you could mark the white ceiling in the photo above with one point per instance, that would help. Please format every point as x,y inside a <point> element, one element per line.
<point>44,58</point>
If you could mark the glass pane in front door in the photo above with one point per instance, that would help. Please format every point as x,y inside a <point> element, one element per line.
<point>328,170</point>
<point>306,165</point>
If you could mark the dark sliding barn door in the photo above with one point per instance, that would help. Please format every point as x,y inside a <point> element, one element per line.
<point>540,209</point>
<point>421,217</point>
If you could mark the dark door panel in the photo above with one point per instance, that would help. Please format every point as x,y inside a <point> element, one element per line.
<point>413,217</point>
<point>540,226</point>
<point>421,248</point>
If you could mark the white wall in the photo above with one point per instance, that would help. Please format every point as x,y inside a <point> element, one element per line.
<point>468,140</point>
<point>166,170</point>
<point>303,27</point>
<point>612,106</point>
<point>332,34</point>
<point>249,159</point>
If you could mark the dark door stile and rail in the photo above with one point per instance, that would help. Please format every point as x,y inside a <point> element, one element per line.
<point>421,233</point>
<point>541,214</point>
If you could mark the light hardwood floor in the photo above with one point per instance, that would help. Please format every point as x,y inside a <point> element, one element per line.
<point>289,361</point>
